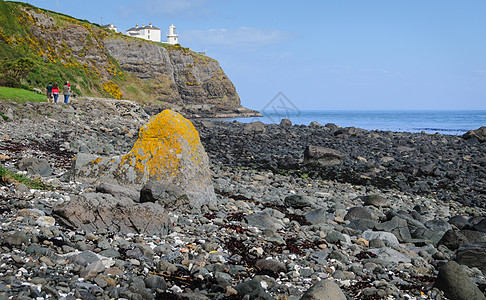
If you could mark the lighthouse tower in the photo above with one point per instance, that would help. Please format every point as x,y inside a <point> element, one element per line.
<point>172,37</point>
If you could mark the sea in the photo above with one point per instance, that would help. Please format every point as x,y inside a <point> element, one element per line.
<point>452,122</point>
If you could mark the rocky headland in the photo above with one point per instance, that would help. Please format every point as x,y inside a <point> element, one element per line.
<point>301,212</point>
<point>101,63</point>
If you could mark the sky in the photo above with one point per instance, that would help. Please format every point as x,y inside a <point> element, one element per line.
<point>328,54</point>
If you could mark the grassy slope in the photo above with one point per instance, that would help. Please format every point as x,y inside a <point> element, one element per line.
<point>20,95</point>
<point>56,62</point>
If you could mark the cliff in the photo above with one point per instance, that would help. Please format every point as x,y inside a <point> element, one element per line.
<point>101,63</point>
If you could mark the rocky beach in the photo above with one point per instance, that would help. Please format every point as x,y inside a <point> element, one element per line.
<point>300,212</point>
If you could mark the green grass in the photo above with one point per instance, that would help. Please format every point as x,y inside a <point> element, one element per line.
<point>20,95</point>
<point>7,176</point>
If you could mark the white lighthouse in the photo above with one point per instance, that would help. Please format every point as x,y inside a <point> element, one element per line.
<point>172,37</point>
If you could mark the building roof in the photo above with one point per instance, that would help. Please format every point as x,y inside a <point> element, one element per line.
<point>150,26</point>
<point>109,26</point>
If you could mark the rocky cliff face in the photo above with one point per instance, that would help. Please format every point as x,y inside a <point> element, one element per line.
<point>101,63</point>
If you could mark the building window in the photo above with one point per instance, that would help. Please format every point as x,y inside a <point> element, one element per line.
<point>149,36</point>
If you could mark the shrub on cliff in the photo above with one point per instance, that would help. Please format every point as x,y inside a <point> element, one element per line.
<point>13,73</point>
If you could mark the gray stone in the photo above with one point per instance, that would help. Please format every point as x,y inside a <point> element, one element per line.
<point>254,127</point>
<point>376,200</point>
<point>334,237</point>
<point>390,255</point>
<point>324,157</point>
<point>118,191</point>
<point>299,201</point>
<point>359,212</point>
<point>253,289</point>
<point>263,220</point>
<point>390,238</point>
<point>94,212</point>
<point>455,283</point>
<point>362,224</point>
<point>35,166</point>
<point>324,290</point>
<point>438,225</point>
<point>317,216</point>
<point>155,282</point>
<point>270,265</point>
<point>165,193</point>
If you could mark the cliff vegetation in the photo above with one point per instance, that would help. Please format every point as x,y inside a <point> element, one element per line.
<point>101,63</point>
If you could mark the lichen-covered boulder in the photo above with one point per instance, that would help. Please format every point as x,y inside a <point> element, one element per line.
<point>168,149</point>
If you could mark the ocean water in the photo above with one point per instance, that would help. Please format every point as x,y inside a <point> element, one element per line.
<point>455,122</point>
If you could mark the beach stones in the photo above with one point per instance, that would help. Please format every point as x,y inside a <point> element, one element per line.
<point>168,149</point>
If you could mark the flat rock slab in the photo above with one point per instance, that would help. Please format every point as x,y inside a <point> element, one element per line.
<point>95,212</point>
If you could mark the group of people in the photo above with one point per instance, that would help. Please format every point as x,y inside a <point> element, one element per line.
<point>52,92</point>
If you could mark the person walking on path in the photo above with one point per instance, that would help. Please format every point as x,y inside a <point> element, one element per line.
<point>66,90</point>
<point>49,92</point>
<point>55,92</point>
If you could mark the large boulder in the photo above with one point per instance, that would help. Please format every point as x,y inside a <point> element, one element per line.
<point>168,149</point>
<point>455,283</point>
<point>324,290</point>
<point>95,212</point>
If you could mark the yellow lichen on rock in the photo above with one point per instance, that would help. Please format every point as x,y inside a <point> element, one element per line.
<point>168,149</point>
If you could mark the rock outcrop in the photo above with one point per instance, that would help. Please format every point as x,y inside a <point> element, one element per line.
<point>168,149</point>
<point>102,63</point>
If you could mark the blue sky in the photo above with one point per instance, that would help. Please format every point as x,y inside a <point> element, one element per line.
<point>329,54</point>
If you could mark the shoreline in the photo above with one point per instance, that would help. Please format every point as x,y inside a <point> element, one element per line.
<point>280,224</point>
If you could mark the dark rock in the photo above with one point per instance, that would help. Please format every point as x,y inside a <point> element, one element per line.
<point>472,255</point>
<point>334,237</point>
<point>271,265</point>
<point>481,226</point>
<point>362,224</point>
<point>479,134</point>
<point>155,282</point>
<point>359,212</point>
<point>253,289</point>
<point>455,283</point>
<point>376,200</point>
<point>324,290</point>
<point>460,222</point>
<point>298,201</point>
<point>321,156</point>
<point>285,123</point>
<point>452,239</point>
